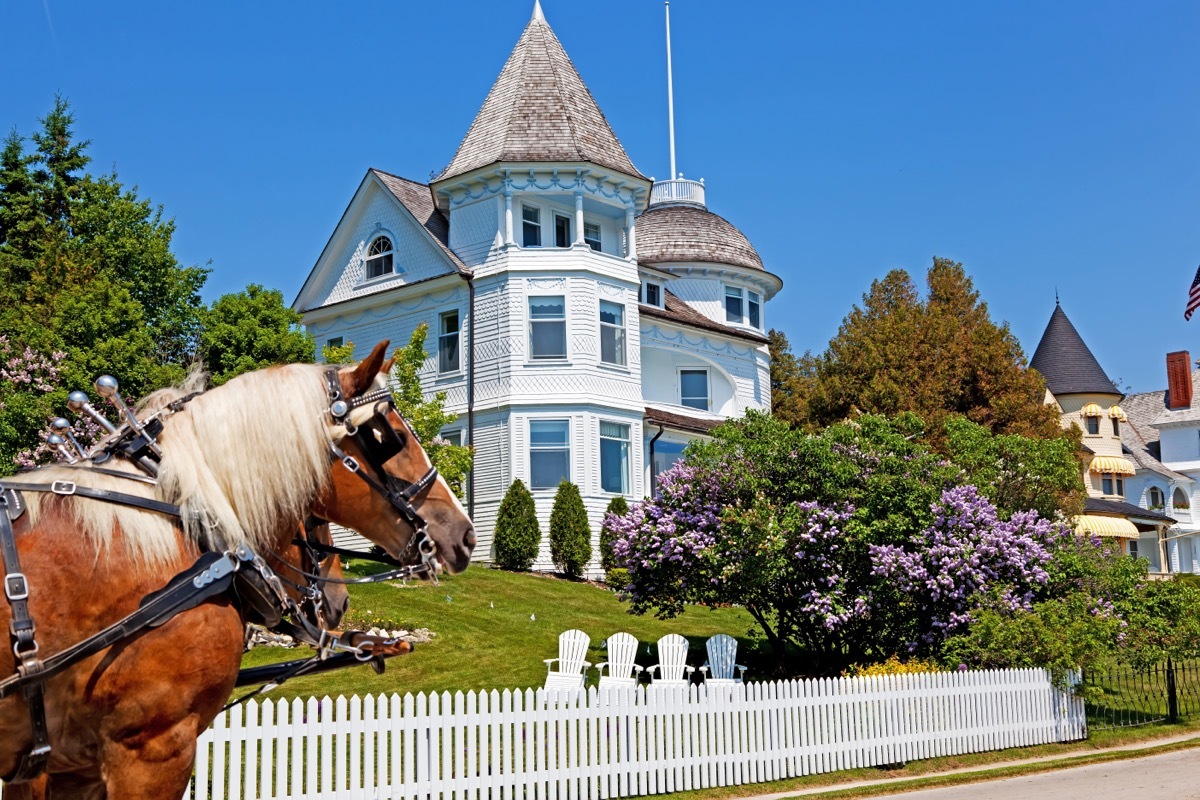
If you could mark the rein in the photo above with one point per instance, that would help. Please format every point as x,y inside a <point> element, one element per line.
<point>214,572</point>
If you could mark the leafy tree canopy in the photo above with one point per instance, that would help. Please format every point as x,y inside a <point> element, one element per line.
<point>936,356</point>
<point>252,329</point>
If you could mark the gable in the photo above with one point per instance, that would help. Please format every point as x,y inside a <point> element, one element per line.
<point>374,211</point>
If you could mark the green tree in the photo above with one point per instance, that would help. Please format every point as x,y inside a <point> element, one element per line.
<point>517,534</point>
<point>791,380</point>
<point>570,534</point>
<point>1018,473</point>
<point>252,329</point>
<point>428,415</point>
<point>619,508</point>
<point>935,356</point>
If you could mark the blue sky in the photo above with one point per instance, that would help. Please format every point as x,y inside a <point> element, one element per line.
<point>1044,145</point>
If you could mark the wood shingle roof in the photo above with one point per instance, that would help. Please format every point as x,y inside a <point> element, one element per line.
<point>1066,362</point>
<point>689,233</point>
<point>539,110</point>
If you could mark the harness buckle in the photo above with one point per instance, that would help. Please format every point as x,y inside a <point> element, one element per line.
<point>16,587</point>
<point>351,463</point>
<point>63,487</point>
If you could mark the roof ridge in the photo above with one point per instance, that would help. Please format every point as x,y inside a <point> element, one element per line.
<point>562,94</point>
<point>511,111</point>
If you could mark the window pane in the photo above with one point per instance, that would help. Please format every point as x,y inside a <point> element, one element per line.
<point>334,342</point>
<point>546,308</point>
<point>548,433</point>
<point>1093,425</point>
<point>614,430</point>
<point>591,235</point>
<point>548,339</point>
<point>693,388</point>
<point>733,305</point>
<point>448,353</point>
<point>453,437</point>
<point>450,322</point>
<point>614,466</point>
<point>1107,484</point>
<point>549,468</point>
<point>612,345</point>
<point>531,228</point>
<point>652,295</point>
<point>562,231</point>
<point>612,313</point>
<point>755,310</point>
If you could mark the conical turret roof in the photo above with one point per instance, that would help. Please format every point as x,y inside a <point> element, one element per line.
<point>1066,362</point>
<point>539,110</point>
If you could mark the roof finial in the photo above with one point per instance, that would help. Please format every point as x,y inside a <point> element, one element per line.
<point>1056,297</point>
<point>537,12</point>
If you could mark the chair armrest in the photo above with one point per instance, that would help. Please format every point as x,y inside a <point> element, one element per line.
<point>600,667</point>
<point>586,664</point>
<point>653,669</point>
<point>636,668</point>
<point>703,670</point>
<point>549,661</point>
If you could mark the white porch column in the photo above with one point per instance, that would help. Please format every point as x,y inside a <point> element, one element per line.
<point>578,216</point>
<point>508,222</point>
<point>630,236</point>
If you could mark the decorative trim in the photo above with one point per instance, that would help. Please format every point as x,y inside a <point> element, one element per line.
<point>610,289</point>
<point>545,180</point>
<point>681,339</point>
<point>546,283</point>
<point>392,309</point>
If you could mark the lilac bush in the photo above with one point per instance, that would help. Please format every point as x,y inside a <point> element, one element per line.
<point>966,555</point>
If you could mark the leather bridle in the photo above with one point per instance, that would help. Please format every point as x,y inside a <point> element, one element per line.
<point>379,442</point>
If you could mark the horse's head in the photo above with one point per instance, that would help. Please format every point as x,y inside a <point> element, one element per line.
<point>387,488</point>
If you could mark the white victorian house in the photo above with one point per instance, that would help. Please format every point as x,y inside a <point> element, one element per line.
<point>586,321</point>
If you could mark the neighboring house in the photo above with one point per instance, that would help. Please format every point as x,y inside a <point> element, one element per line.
<point>1163,439</point>
<point>586,321</point>
<point>1087,399</point>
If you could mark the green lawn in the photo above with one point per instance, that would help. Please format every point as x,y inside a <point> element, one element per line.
<point>485,637</point>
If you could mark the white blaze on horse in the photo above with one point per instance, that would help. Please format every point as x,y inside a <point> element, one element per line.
<point>90,552</point>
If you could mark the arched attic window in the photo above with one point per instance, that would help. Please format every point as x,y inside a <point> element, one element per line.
<point>1179,500</point>
<point>1154,499</point>
<point>379,258</point>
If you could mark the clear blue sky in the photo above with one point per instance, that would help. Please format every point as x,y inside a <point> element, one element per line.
<point>1042,144</point>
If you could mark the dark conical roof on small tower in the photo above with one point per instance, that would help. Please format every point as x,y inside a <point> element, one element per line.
<point>1066,362</point>
<point>539,110</point>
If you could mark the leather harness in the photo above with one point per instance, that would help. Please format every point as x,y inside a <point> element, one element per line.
<point>256,590</point>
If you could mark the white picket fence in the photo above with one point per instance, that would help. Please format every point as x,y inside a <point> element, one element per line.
<point>534,745</point>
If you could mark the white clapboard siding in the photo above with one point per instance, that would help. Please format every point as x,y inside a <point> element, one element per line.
<point>623,742</point>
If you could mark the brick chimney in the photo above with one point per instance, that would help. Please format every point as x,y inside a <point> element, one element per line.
<point>1179,379</point>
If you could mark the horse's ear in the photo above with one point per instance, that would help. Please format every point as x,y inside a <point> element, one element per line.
<point>386,369</point>
<point>362,376</point>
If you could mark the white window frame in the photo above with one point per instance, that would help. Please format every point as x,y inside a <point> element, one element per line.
<point>1133,548</point>
<point>535,223</point>
<point>562,321</point>
<point>531,449</point>
<point>443,334</point>
<point>754,301</point>
<point>707,381</point>
<point>620,332</point>
<point>336,341</point>
<point>368,257</point>
<point>1150,504</point>
<point>644,296</point>
<point>627,476</point>
<point>595,242</point>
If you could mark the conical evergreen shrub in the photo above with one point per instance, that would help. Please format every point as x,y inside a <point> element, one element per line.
<point>518,535</point>
<point>570,535</point>
<point>619,507</point>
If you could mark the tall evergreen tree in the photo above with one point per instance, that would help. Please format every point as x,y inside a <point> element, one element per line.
<point>570,534</point>
<point>517,534</point>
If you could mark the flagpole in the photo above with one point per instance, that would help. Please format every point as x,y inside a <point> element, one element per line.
<point>670,92</point>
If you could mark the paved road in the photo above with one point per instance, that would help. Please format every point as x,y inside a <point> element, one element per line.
<point>1173,776</point>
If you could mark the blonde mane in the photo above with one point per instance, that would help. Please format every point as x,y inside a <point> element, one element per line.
<point>237,460</point>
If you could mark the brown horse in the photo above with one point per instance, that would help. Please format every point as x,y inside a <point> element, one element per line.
<point>243,462</point>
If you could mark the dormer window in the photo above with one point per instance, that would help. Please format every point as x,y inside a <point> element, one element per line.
<point>743,307</point>
<point>379,258</point>
<point>1154,499</point>
<point>652,294</point>
<point>733,304</point>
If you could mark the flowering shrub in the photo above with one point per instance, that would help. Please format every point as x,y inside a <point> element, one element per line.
<point>892,666</point>
<point>968,553</point>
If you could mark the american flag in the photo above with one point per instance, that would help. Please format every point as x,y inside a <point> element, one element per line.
<point>1193,297</point>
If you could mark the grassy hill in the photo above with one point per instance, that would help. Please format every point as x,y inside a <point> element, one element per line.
<point>486,638</point>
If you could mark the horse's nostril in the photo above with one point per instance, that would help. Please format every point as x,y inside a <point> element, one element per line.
<point>469,539</point>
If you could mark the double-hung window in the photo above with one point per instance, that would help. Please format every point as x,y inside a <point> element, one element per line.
<point>549,453</point>
<point>614,457</point>
<point>531,226</point>
<point>547,327</point>
<point>1093,425</point>
<point>448,327</point>
<point>379,257</point>
<point>612,333</point>
<point>693,388</point>
<point>733,304</point>
<point>591,235</point>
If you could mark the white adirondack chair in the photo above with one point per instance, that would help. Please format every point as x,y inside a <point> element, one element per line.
<point>722,655</point>
<point>622,650</point>
<point>672,661</point>
<point>572,649</point>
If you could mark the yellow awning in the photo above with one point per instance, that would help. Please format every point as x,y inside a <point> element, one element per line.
<point>1091,410</point>
<point>1118,527</point>
<point>1116,412</point>
<point>1112,464</point>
